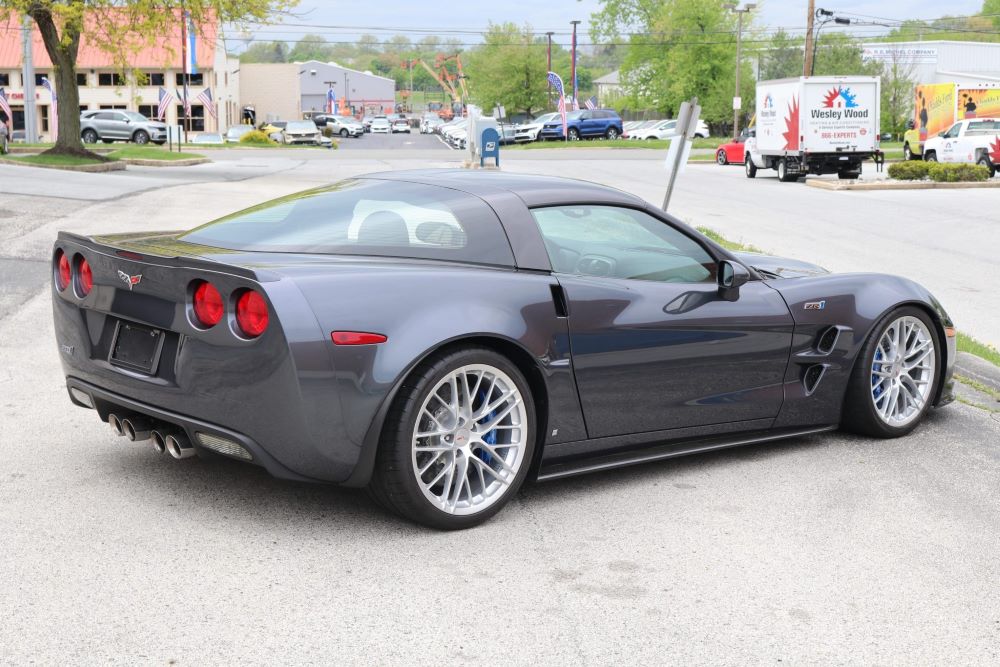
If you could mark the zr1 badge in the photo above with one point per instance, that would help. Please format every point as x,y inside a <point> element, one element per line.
<point>815,305</point>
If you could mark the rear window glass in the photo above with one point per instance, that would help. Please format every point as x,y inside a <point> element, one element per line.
<point>367,217</point>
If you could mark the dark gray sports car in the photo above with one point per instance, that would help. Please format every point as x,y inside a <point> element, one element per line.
<point>440,336</point>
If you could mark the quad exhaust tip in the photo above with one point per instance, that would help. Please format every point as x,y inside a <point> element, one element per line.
<point>159,439</point>
<point>136,428</point>
<point>116,424</point>
<point>178,446</point>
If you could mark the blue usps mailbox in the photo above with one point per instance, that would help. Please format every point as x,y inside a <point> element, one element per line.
<point>489,146</point>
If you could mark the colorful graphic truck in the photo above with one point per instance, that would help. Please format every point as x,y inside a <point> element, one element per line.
<point>937,106</point>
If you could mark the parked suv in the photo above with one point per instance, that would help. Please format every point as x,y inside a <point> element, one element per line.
<point>585,123</point>
<point>109,125</point>
<point>345,126</point>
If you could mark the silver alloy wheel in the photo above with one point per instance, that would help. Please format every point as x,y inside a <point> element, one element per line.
<point>469,440</point>
<point>902,371</point>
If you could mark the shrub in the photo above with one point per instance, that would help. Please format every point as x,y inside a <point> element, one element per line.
<point>257,138</point>
<point>909,171</point>
<point>955,173</point>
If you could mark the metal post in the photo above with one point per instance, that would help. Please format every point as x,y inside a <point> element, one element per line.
<point>28,74</point>
<point>576,101</point>
<point>687,121</point>
<point>347,92</point>
<point>807,62</point>
<point>549,64</point>
<point>185,103</point>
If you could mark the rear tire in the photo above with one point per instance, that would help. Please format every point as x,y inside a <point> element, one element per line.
<point>612,133</point>
<point>783,174</point>
<point>459,474</point>
<point>875,378</point>
<point>720,157</point>
<point>750,167</point>
<point>985,162</point>
<point>89,137</point>
<point>930,156</point>
<point>908,154</point>
<point>848,175</point>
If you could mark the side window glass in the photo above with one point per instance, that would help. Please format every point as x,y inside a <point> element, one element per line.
<point>615,242</point>
<point>953,132</point>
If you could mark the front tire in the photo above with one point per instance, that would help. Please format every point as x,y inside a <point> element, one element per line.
<point>458,441</point>
<point>908,153</point>
<point>612,133</point>
<point>720,158</point>
<point>573,134</point>
<point>895,376</point>
<point>751,168</point>
<point>343,133</point>
<point>141,137</point>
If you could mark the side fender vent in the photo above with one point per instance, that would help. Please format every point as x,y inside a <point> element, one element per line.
<point>812,377</point>
<point>827,341</point>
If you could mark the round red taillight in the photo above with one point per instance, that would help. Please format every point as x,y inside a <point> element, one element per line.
<point>251,314</point>
<point>64,273</point>
<point>86,276</point>
<point>207,302</point>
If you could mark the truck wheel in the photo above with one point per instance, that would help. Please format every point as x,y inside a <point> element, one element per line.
<point>848,175</point>
<point>909,154</point>
<point>783,174</point>
<point>750,166</point>
<point>985,161</point>
<point>930,156</point>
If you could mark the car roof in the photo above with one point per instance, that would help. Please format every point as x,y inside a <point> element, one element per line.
<point>533,190</point>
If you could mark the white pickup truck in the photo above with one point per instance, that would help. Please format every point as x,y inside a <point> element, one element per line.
<point>973,140</point>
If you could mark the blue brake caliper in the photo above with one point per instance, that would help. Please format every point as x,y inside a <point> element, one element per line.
<point>491,437</point>
<point>878,367</point>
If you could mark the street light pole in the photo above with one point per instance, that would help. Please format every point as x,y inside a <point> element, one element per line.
<point>347,92</point>
<point>549,64</point>
<point>576,101</point>
<point>739,43</point>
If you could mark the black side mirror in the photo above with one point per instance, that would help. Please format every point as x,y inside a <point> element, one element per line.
<point>732,276</point>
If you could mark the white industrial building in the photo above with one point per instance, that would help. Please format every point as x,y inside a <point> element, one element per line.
<point>940,61</point>
<point>284,91</point>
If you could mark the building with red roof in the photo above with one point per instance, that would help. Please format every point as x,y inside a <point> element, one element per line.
<point>103,86</point>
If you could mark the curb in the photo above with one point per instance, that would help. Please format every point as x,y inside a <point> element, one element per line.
<point>138,162</point>
<point>116,165</point>
<point>899,185</point>
<point>978,369</point>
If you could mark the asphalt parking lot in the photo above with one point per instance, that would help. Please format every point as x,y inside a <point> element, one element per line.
<point>828,549</point>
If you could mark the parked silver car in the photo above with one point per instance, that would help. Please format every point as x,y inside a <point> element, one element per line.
<point>301,132</point>
<point>345,126</point>
<point>109,125</point>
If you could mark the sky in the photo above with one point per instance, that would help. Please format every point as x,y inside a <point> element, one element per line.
<point>473,16</point>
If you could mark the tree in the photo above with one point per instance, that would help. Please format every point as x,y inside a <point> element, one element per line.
<point>119,28</point>
<point>310,47</point>
<point>678,49</point>
<point>508,69</point>
<point>265,52</point>
<point>782,57</point>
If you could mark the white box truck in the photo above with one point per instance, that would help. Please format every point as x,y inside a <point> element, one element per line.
<point>815,125</point>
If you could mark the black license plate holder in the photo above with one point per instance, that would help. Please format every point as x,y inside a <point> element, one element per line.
<point>136,347</point>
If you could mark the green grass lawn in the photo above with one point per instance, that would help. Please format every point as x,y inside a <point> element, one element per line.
<point>726,243</point>
<point>150,153</point>
<point>969,344</point>
<point>54,160</point>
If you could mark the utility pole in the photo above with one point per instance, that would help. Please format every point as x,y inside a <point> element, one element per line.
<point>576,101</point>
<point>347,103</point>
<point>28,74</point>
<point>549,64</point>
<point>737,101</point>
<point>807,62</point>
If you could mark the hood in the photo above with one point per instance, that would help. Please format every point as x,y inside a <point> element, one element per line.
<point>779,267</point>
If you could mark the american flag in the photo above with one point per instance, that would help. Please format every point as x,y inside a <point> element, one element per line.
<point>331,101</point>
<point>54,109</point>
<point>591,102</point>
<point>558,85</point>
<point>5,106</point>
<point>166,97</point>
<point>187,105</point>
<point>576,104</point>
<point>205,97</point>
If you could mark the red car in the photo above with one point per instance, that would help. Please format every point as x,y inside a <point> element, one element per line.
<point>732,152</point>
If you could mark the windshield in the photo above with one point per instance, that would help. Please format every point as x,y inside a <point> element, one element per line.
<point>366,217</point>
<point>301,126</point>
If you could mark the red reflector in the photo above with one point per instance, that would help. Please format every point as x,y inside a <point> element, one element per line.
<point>63,271</point>
<point>86,277</point>
<point>356,338</point>
<point>129,255</point>
<point>251,313</point>
<point>208,306</point>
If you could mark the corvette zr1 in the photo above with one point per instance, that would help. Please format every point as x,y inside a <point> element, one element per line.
<point>440,336</point>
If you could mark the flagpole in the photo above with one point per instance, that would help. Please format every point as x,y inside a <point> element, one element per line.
<point>576,102</point>
<point>184,77</point>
